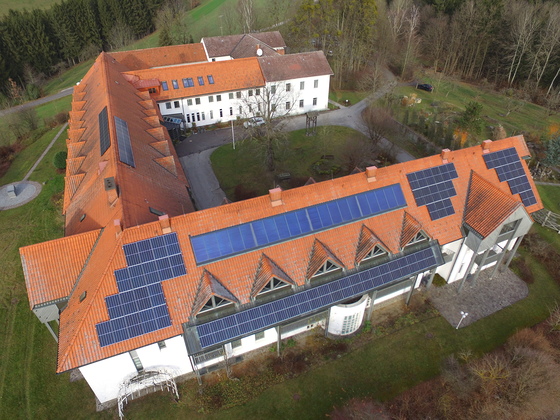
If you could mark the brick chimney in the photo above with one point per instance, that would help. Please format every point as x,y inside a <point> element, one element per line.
<point>486,146</point>
<point>275,196</point>
<point>371,172</point>
<point>111,190</point>
<point>165,224</point>
<point>445,154</point>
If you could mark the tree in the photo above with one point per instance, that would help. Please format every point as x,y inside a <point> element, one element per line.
<point>552,157</point>
<point>60,160</point>
<point>247,15</point>
<point>377,124</point>
<point>470,120</point>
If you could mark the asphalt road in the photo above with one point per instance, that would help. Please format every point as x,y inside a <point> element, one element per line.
<point>40,101</point>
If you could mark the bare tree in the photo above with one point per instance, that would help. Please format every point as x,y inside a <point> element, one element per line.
<point>247,15</point>
<point>120,36</point>
<point>548,42</point>
<point>377,124</point>
<point>524,23</point>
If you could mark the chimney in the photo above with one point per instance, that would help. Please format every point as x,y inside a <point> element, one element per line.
<point>371,171</point>
<point>118,227</point>
<point>111,189</point>
<point>165,224</point>
<point>445,153</point>
<point>486,146</point>
<point>275,196</point>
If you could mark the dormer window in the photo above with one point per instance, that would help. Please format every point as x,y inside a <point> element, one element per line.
<point>213,303</point>
<point>375,252</point>
<point>273,284</point>
<point>327,267</point>
<point>418,238</point>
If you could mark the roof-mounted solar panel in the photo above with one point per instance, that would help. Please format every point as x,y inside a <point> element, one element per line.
<point>104,138</point>
<point>433,188</point>
<point>265,232</point>
<point>509,168</point>
<point>123,142</point>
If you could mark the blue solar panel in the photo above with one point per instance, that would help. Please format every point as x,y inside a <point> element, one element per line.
<point>267,315</point>
<point>140,306</point>
<point>264,232</point>
<point>509,168</point>
<point>123,141</point>
<point>433,188</point>
<point>104,138</point>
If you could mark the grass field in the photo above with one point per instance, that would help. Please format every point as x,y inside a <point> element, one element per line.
<point>6,5</point>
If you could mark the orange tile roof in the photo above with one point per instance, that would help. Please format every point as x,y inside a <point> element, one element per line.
<point>228,75</point>
<point>161,56</point>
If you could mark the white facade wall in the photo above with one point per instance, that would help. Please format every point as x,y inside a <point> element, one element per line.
<point>105,377</point>
<point>227,106</point>
<point>450,248</point>
<point>346,319</point>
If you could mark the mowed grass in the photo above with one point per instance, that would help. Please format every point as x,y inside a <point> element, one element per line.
<point>67,79</point>
<point>454,96</point>
<point>6,5</point>
<point>340,96</point>
<point>296,155</point>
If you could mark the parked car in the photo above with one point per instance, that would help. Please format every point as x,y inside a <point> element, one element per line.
<point>425,86</point>
<point>254,122</point>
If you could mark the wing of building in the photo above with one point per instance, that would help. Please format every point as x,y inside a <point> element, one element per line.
<point>142,283</point>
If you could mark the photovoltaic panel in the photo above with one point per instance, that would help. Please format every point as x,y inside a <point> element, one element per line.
<point>104,139</point>
<point>140,306</point>
<point>509,168</point>
<point>123,141</point>
<point>264,232</point>
<point>433,188</point>
<point>269,314</point>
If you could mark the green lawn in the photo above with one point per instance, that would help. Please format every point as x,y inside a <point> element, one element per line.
<point>296,157</point>
<point>67,79</point>
<point>6,5</point>
<point>341,96</point>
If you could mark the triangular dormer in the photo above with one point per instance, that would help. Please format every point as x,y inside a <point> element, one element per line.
<point>269,277</point>
<point>369,246</point>
<point>322,261</point>
<point>412,232</point>
<point>211,294</point>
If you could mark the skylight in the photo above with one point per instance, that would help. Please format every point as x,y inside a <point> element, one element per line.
<point>164,85</point>
<point>210,79</point>
<point>201,80</point>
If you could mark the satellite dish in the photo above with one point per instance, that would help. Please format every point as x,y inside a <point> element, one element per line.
<point>259,52</point>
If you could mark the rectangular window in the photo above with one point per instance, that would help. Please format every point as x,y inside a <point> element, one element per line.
<point>218,98</point>
<point>211,114</point>
<point>288,87</point>
<point>164,86</point>
<point>231,95</point>
<point>221,113</point>
<point>238,95</point>
<point>161,344</point>
<point>168,105</point>
<point>240,110</point>
<point>189,118</point>
<point>210,79</point>
<point>197,101</point>
<point>192,116</point>
<point>250,92</point>
<point>176,103</point>
<point>198,116</point>
<point>230,110</point>
<point>189,102</point>
<point>316,83</point>
<point>201,81</point>
<point>258,92</point>
<point>301,103</point>
<point>152,90</point>
<point>175,84</point>
<point>202,116</point>
<point>259,107</point>
<point>314,101</point>
<point>301,85</point>
<point>136,360</point>
<point>185,83</point>
<point>287,106</point>
<point>190,81</point>
<point>210,99</point>
<point>273,89</point>
<point>235,344</point>
<point>250,109</point>
<point>259,336</point>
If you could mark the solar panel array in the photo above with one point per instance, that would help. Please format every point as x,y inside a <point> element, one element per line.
<point>267,315</point>
<point>123,141</point>
<point>264,232</point>
<point>433,188</point>
<point>509,168</point>
<point>140,306</point>
<point>104,139</point>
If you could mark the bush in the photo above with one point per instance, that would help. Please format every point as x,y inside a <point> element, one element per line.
<point>60,160</point>
<point>439,281</point>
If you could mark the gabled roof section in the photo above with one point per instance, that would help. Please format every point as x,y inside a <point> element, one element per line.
<point>209,286</point>
<point>366,243</point>
<point>248,47</point>
<point>268,269</point>
<point>295,66</point>
<point>48,278</point>
<point>161,56</point>
<point>487,207</point>
<point>228,75</point>
<point>235,45</point>
<point>320,253</point>
<point>410,228</point>
<point>108,96</point>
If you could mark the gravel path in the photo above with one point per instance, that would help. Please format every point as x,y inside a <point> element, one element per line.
<point>479,301</point>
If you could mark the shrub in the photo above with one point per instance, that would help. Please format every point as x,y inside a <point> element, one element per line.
<point>60,160</point>
<point>439,281</point>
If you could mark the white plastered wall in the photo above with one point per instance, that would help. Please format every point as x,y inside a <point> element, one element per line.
<point>338,313</point>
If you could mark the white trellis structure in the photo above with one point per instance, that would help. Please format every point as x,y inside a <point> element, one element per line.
<point>547,219</point>
<point>147,379</point>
